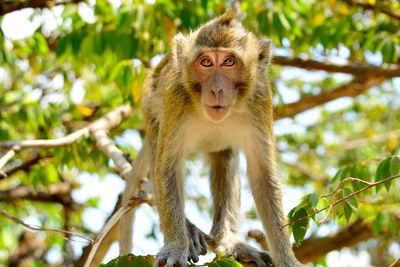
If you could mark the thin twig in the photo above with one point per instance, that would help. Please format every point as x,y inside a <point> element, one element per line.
<point>394,263</point>
<point>346,180</point>
<point>342,199</point>
<point>38,228</point>
<point>326,215</point>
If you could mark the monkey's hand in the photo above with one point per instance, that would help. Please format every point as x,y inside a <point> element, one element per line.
<point>197,245</point>
<point>173,254</point>
<point>246,253</point>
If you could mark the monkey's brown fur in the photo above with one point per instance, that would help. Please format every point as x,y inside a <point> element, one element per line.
<point>176,126</point>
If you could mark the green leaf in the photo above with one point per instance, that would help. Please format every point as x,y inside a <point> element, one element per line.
<point>300,228</point>
<point>393,225</point>
<point>309,202</point>
<point>51,174</point>
<point>93,202</point>
<point>130,261</point>
<point>385,170</point>
<point>360,171</point>
<point>377,224</point>
<point>341,174</point>
<point>222,261</point>
<point>395,166</point>
<point>382,223</point>
<point>62,45</point>
<point>352,201</point>
<point>347,210</point>
<point>40,43</point>
<point>141,261</point>
<point>11,96</point>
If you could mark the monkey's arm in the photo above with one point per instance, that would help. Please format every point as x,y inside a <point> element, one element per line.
<point>168,183</point>
<point>267,192</point>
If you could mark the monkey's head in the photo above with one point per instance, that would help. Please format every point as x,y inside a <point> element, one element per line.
<point>219,62</point>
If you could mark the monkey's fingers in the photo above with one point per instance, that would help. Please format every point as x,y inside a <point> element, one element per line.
<point>197,244</point>
<point>159,263</point>
<point>246,253</point>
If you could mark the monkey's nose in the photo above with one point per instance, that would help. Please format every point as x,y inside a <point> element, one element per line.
<point>217,92</point>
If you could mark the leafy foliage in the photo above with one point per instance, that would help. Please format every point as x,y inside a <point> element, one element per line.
<point>95,57</point>
<point>148,261</point>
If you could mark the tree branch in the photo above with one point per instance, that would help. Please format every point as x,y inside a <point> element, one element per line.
<point>369,185</point>
<point>313,248</point>
<point>142,197</point>
<point>106,145</point>
<point>10,6</point>
<point>373,139</point>
<point>351,89</point>
<point>6,158</point>
<point>38,228</point>
<point>375,8</point>
<point>360,69</point>
<point>307,172</point>
<point>110,238</point>
<point>25,166</point>
<point>107,122</point>
<point>57,193</point>
<point>394,263</point>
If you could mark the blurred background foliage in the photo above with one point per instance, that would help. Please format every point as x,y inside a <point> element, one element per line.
<point>83,59</point>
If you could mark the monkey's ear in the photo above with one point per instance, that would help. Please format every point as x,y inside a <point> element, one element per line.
<point>178,47</point>
<point>265,55</point>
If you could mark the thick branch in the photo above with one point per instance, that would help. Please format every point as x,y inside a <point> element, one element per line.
<point>360,69</point>
<point>142,197</point>
<point>375,8</point>
<point>10,6</point>
<point>351,89</point>
<point>57,193</point>
<point>107,122</point>
<point>106,145</point>
<point>313,248</point>
<point>7,157</point>
<point>110,238</point>
<point>25,166</point>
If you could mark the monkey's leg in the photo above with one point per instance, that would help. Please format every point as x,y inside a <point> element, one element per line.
<point>141,170</point>
<point>225,187</point>
<point>168,183</point>
<point>267,192</point>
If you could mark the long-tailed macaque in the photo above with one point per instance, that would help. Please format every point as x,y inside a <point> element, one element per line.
<point>210,95</point>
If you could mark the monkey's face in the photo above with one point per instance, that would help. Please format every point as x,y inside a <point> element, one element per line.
<point>215,74</point>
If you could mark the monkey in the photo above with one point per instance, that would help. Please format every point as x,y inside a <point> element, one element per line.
<point>210,95</point>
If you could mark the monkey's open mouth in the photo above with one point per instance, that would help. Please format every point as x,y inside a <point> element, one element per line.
<point>217,112</point>
<point>217,107</point>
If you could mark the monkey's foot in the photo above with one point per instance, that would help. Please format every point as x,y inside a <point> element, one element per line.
<point>172,255</point>
<point>197,245</point>
<point>246,253</point>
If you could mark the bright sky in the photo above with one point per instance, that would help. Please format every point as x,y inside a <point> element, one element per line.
<point>17,25</point>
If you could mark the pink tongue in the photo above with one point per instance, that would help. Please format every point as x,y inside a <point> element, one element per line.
<point>216,114</point>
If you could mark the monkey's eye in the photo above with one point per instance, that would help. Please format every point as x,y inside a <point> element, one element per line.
<point>229,62</point>
<point>206,62</point>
